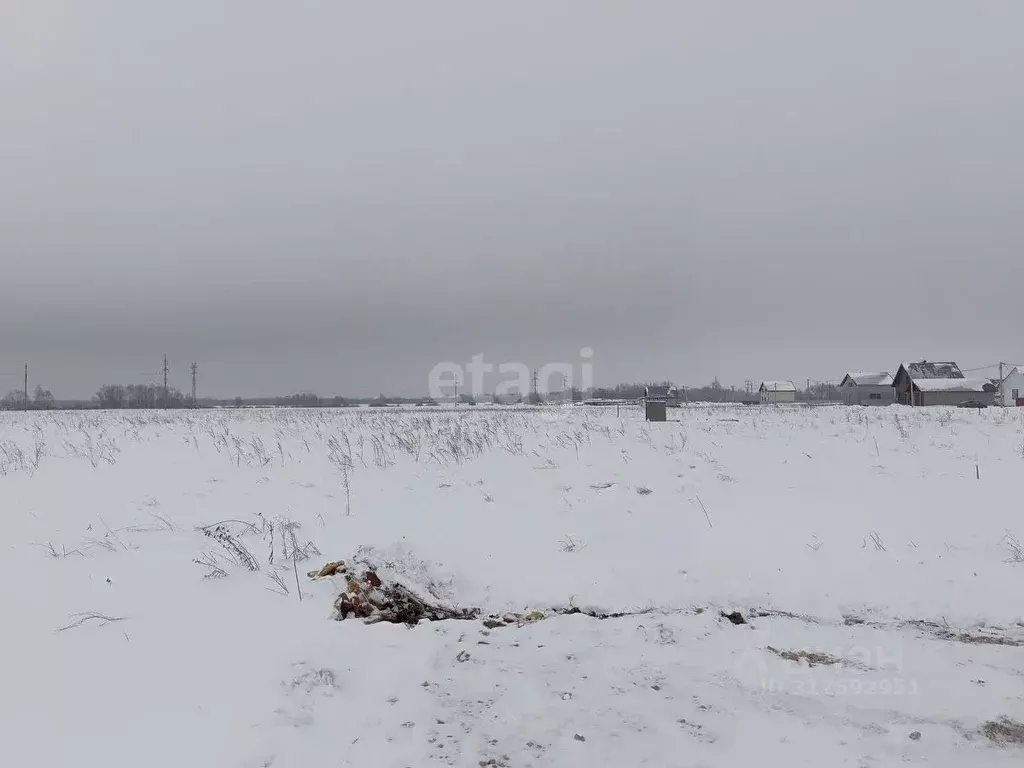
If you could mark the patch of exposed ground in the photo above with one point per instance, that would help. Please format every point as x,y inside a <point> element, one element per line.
<point>1004,732</point>
<point>814,658</point>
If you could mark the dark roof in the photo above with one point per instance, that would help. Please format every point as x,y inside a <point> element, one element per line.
<point>929,370</point>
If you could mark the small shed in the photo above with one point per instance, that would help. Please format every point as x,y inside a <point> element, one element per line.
<point>777,392</point>
<point>656,400</point>
<point>861,388</point>
<point>1011,389</point>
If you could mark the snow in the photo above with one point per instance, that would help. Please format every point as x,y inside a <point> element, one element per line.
<point>952,385</point>
<point>932,370</point>
<point>878,536</point>
<point>866,379</point>
<point>778,386</point>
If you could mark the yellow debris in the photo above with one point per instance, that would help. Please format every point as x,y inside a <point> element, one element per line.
<point>329,569</point>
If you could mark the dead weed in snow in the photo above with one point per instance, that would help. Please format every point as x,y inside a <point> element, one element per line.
<point>814,658</point>
<point>1004,732</point>
<point>369,598</point>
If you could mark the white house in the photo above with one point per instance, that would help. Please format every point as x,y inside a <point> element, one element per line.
<point>862,388</point>
<point>1011,388</point>
<point>777,392</point>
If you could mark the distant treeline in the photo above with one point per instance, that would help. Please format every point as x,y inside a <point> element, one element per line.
<point>141,396</point>
<point>153,396</point>
<point>709,393</point>
<point>715,392</point>
<point>312,400</point>
<point>16,400</point>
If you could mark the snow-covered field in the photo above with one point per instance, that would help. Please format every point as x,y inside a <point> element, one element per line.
<point>872,555</point>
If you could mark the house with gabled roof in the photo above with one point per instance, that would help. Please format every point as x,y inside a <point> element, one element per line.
<point>930,383</point>
<point>1011,388</point>
<point>777,392</point>
<point>862,388</point>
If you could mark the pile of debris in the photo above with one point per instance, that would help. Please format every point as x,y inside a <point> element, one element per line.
<point>398,594</point>
<point>366,596</point>
<point>496,621</point>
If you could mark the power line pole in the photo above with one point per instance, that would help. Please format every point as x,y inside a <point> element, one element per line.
<point>26,385</point>
<point>534,395</point>
<point>165,381</point>
<point>193,368</point>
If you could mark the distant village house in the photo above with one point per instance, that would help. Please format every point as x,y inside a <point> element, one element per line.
<point>862,388</point>
<point>928,383</point>
<point>777,392</point>
<point>1011,388</point>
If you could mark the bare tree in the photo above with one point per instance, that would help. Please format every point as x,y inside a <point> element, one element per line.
<point>42,398</point>
<point>139,396</point>
<point>112,396</point>
<point>14,400</point>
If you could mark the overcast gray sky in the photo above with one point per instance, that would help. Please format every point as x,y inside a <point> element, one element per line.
<point>337,195</point>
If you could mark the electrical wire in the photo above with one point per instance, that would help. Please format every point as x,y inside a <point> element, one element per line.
<point>979,368</point>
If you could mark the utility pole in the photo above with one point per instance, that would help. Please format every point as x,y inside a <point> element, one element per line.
<point>193,368</point>
<point>165,381</point>
<point>534,395</point>
<point>26,386</point>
